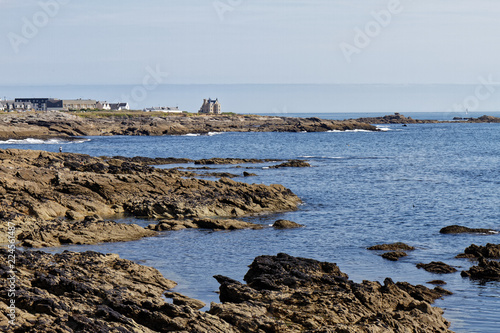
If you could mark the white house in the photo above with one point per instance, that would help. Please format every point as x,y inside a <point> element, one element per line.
<point>119,106</point>
<point>103,105</point>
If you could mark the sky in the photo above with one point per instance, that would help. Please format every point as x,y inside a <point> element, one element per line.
<point>72,42</point>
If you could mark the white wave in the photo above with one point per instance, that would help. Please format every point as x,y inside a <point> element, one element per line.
<point>354,130</point>
<point>384,129</point>
<point>31,141</point>
<point>214,133</point>
<point>192,134</point>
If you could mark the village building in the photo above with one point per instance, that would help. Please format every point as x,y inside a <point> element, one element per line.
<point>41,104</point>
<point>103,105</point>
<point>119,106</point>
<point>210,106</point>
<point>79,104</point>
<point>12,105</point>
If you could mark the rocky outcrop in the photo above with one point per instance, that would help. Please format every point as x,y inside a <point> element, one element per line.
<point>476,251</point>
<point>288,294</point>
<point>391,247</point>
<point>206,223</point>
<point>396,118</point>
<point>457,229</point>
<point>93,292</point>
<point>66,125</point>
<point>49,185</point>
<point>285,224</point>
<point>394,255</point>
<point>218,160</point>
<point>292,164</point>
<point>89,231</point>
<point>437,267</point>
<point>485,270</point>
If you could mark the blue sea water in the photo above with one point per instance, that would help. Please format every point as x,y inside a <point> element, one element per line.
<point>365,188</point>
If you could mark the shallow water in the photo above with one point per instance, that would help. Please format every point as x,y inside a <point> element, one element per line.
<point>402,184</point>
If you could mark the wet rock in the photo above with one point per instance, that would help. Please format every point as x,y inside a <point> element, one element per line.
<point>392,247</point>
<point>476,251</point>
<point>224,224</point>
<point>486,270</point>
<point>288,294</point>
<point>292,164</point>
<point>456,229</point>
<point>218,160</point>
<point>40,184</point>
<point>394,255</point>
<point>206,223</point>
<point>36,233</point>
<point>93,292</point>
<point>437,282</point>
<point>248,174</point>
<point>437,267</point>
<point>285,224</point>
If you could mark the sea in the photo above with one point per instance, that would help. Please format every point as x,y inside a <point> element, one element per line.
<point>401,184</point>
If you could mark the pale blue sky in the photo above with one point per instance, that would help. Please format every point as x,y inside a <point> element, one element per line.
<point>250,41</point>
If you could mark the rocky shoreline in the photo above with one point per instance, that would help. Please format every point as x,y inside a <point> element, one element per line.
<point>93,292</point>
<point>59,198</point>
<point>46,125</point>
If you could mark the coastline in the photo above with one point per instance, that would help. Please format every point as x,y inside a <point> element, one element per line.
<point>78,187</point>
<point>53,124</point>
<point>78,165</point>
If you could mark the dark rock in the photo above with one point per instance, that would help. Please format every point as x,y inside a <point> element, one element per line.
<point>456,229</point>
<point>248,174</point>
<point>292,164</point>
<point>394,256</point>
<point>392,247</point>
<point>437,267</point>
<point>486,270</point>
<point>437,282</point>
<point>285,224</point>
<point>93,292</point>
<point>288,294</point>
<point>487,251</point>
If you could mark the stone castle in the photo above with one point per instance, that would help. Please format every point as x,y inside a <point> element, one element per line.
<point>211,106</point>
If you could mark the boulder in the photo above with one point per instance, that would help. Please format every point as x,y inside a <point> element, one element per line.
<point>285,224</point>
<point>289,294</point>
<point>392,247</point>
<point>292,164</point>
<point>476,251</point>
<point>394,255</point>
<point>456,229</point>
<point>486,270</point>
<point>437,267</point>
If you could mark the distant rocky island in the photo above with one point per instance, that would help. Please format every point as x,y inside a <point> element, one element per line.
<point>51,124</point>
<point>398,118</point>
<point>56,124</point>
